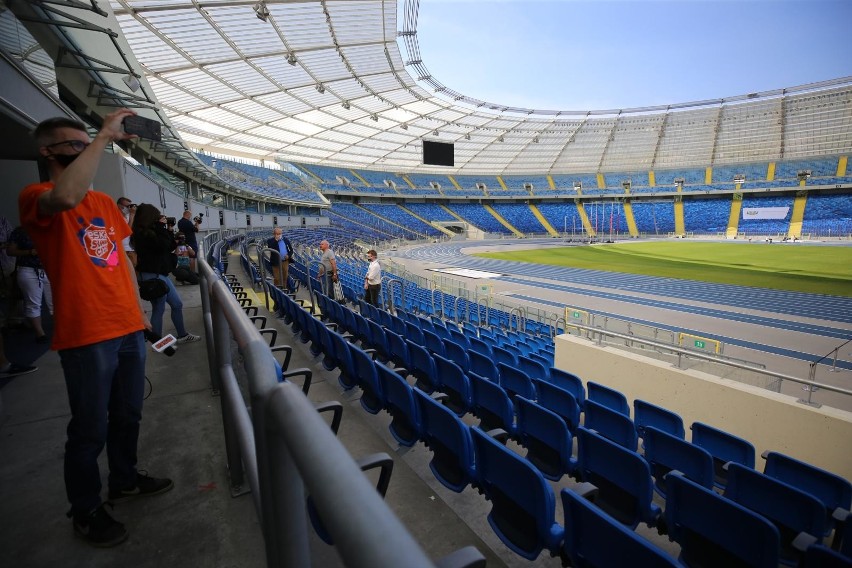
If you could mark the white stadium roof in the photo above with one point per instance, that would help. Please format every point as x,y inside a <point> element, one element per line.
<point>326,82</point>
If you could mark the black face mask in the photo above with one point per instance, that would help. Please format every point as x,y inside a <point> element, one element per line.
<point>64,160</point>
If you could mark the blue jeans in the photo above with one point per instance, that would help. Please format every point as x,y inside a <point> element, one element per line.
<point>158,306</point>
<point>105,383</point>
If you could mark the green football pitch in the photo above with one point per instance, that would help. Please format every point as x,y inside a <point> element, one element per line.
<point>798,267</point>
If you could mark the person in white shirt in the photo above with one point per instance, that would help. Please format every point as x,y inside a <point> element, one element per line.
<point>373,280</point>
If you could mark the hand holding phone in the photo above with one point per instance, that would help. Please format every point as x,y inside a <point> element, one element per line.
<point>143,127</point>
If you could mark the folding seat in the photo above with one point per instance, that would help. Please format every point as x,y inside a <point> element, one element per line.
<point>433,342</point>
<point>480,347</point>
<point>425,324</point>
<point>834,491</point>
<point>724,448</point>
<point>483,366</point>
<point>608,397</point>
<point>398,325</point>
<point>505,356</point>
<point>398,353</point>
<point>457,354</point>
<point>714,531</point>
<point>791,510</point>
<point>372,398</point>
<point>665,453</point>
<point>455,384</point>
<point>423,367</point>
<point>440,330</point>
<point>377,339</point>
<point>491,405</point>
<point>384,318</point>
<point>460,338</point>
<point>593,539</point>
<point>820,556</point>
<point>533,369</point>
<point>560,401</point>
<point>348,377</point>
<point>414,333</point>
<point>547,439</point>
<point>610,424</point>
<point>400,404</point>
<point>647,414</point>
<point>450,441</point>
<point>515,382</point>
<point>362,329</point>
<point>523,508</point>
<point>622,477</point>
<point>570,382</point>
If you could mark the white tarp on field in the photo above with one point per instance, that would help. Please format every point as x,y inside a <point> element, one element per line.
<point>466,272</point>
<point>765,213</point>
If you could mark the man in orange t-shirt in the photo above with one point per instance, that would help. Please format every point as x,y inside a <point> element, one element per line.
<point>98,321</point>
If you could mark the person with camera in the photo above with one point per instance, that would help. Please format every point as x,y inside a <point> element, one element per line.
<point>154,245</point>
<point>185,255</point>
<point>189,229</point>
<point>281,260</point>
<point>99,320</point>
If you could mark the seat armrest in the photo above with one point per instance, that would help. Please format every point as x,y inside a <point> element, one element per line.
<point>336,409</point>
<point>303,372</point>
<point>288,353</point>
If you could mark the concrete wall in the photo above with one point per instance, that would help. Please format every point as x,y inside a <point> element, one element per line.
<point>770,421</point>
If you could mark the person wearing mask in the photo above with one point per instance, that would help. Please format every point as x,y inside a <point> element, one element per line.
<point>281,260</point>
<point>155,246</point>
<point>99,320</point>
<point>373,280</point>
<point>32,280</point>
<point>128,211</point>
<point>328,271</point>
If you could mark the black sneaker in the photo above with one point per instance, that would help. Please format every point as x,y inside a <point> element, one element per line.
<point>99,529</point>
<point>145,487</point>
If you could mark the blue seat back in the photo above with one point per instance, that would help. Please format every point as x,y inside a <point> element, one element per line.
<point>457,353</point>
<point>505,356</point>
<point>523,508</point>
<point>348,377</point>
<point>792,510</point>
<point>372,399</point>
<point>414,333</point>
<point>455,384</point>
<point>647,414</point>
<point>516,382</point>
<point>665,453</point>
<point>460,338</point>
<point>398,350</point>
<point>480,346</point>
<point>533,369</point>
<point>570,382</point>
<point>724,447</point>
<point>422,367</point>
<point>378,341</point>
<point>834,491</point>
<point>483,366</point>
<point>560,401</point>
<point>399,397</point>
<point>608,397</point>
<point>611,424</point>
<point>714,531</point>
<point>623,479</point>
<point>547,439</point>
<point>449,439</point>
<point>491,405</point>
<point>593,539</point>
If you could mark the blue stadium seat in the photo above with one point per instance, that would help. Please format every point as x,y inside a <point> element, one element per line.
<point>348,377</point>
<point>560,401</point>
<point>665,453</point>
<point>450,441</point>
<point>515,382</point>
<point>724,447</point>
<point>457,354</point>
<point>714,531</point>
<point>491,405</point>
<point>608,397</point>
<point>455,384</point>
<point>791,510</point>
<point>523,511</point>
<point>400,404</point>
<point>623,479</point>
<point>372,398</point>
<point>484,366</point>
<point>570,382</point>
<point>820,556</point>
<point>547,439</point>
<point>422,367</point>
<point>647,414</point>
<point>593,539</point>
<point>610,424</point>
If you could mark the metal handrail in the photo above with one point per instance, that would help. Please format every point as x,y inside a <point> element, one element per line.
<point>285,446</point>
<point>591,331</point>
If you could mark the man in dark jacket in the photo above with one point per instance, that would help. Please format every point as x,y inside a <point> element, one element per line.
<point>281,259</point>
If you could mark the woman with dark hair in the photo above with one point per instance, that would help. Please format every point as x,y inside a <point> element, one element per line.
<point>154,245</point>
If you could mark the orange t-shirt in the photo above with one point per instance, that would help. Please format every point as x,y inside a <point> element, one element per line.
<point>94,297</point>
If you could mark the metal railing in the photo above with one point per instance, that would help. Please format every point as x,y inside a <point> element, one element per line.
<point>288,451</point>
<point>597,335</point>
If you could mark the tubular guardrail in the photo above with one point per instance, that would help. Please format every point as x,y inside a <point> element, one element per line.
<point>594,332</point>
<point>285,447</point>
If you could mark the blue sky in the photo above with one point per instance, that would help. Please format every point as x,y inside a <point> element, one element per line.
<point>605,54</point>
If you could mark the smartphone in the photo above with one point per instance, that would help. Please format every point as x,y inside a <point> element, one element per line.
<point>143,127</point>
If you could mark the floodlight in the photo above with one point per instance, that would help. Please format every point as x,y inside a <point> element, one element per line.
<point>291,58</point>
<point>320,88</point>
<point>261,11</point>
<point>346,105</point>
<point>132,82</point>
<point>467,136</point>
<point>436,133</point>
<point>501,139</point>
<point>403,126</point>
<point>374,117</point>
<point>535,140</point>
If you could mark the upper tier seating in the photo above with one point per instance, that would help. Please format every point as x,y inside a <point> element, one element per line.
<point>477,216</point>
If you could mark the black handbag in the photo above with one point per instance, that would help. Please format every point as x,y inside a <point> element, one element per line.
<point>153,289</point>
